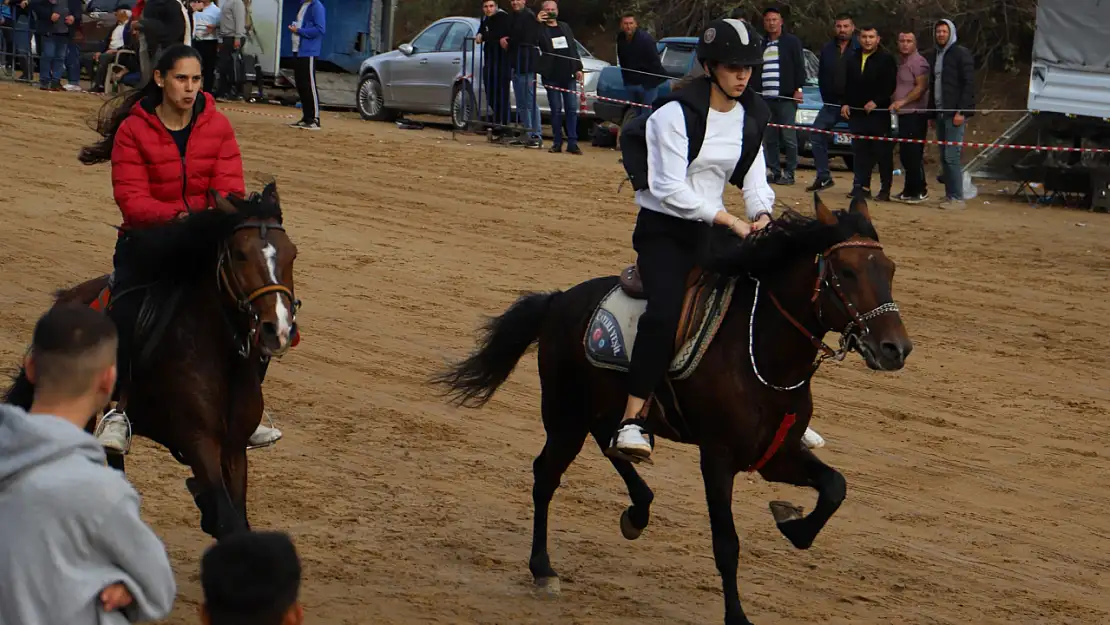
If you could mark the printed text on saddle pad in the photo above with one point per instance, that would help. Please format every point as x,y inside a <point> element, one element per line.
<point>611,335</point>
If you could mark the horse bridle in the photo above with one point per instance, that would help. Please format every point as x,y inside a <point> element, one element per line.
<point>852,333</point>
<point>244,301</point>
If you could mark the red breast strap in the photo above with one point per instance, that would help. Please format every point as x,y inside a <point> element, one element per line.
<point>780,436</point>
<point>101,301</point>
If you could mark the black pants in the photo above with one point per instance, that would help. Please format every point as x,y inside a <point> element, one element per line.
<point>498,77</point>
<point>667,249</point>
<point>304,73</point>
<point>124,311</point>
<point>209,55</point>
<point>913,126</point>
<point>869,153</point>
<point>231,71</point>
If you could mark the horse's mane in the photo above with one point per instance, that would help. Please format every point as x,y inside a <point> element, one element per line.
<point>789,237</point>
<point>186,248</point>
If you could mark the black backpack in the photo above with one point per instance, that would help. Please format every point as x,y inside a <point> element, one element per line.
<point>695,104</point>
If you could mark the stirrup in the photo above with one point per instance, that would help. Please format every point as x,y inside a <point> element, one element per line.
<point>266,414</point>
<point>100,430</point>
<point>613,452</point>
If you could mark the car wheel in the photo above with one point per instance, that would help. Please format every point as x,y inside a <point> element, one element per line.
<point>463,107</point>
<point>371,100</point>
<point>849,162</point>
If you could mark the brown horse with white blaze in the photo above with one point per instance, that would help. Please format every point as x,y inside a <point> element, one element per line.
<point>218,304</point>
<point>739,387</point>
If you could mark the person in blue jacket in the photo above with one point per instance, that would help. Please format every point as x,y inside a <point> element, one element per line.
<point>308,39</point>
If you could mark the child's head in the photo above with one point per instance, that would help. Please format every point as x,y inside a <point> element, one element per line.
<point>251,578</point>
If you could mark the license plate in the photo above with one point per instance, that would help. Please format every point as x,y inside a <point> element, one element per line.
<point>840,139</point>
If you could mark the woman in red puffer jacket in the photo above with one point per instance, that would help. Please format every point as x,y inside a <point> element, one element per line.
<point>169,147</point>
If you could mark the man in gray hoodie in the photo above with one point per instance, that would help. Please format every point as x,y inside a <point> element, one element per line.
<point>74,549</point>
<point>952,102</point>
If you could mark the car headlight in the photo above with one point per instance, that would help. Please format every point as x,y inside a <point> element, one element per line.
<point>805,117</point>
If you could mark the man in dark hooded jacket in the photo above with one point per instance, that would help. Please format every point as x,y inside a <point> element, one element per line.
<point>638,58</point>
<point>952,102</point>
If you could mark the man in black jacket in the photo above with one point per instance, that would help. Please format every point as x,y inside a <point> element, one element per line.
<point>830,79</point>
<point>952,100</point>
<point>872,76</point>
<point>496,72</point>
<point>780,81</point>
<point>561,69</point>
<point>641,68</point>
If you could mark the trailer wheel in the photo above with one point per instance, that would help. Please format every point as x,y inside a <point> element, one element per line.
<point>371,100</point>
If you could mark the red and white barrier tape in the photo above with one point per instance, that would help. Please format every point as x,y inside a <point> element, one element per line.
<point>966,144</point>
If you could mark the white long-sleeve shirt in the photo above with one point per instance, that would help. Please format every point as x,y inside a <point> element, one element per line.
<point>695,191</point>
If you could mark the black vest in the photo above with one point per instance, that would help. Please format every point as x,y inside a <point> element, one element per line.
<point>694,98</point>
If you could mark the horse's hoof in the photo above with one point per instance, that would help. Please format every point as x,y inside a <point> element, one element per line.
<point>548,586</point>
<point>784,511</point>
<point>628,530</point>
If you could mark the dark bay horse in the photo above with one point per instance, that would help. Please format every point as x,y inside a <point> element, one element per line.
<point>197,387</point>
<point>793,282</point>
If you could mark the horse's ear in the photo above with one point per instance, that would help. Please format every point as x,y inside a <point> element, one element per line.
<point>219,202</point>
<point>270,193</point>
<point>824,215</point>
<point>859,205</point>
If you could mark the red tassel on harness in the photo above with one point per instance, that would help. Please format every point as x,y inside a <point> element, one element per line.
<point>780,436</point>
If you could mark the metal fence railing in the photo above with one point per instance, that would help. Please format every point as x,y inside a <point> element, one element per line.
<point>496,91</point>
<point>19,51</point>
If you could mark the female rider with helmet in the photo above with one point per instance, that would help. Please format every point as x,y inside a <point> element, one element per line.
<point>681,199</point>
<point>168,146</point>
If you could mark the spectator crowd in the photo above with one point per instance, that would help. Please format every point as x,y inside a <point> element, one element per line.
<point>61,30</point>
<point>860,82</point>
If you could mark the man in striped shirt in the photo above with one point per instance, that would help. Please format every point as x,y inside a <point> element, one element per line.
<point>780,82</point>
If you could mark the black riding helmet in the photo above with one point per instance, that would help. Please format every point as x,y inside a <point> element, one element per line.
<point>730,42</point>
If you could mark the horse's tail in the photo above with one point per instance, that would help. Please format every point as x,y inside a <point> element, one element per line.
<point>504,341</point>
<point>21,393</point>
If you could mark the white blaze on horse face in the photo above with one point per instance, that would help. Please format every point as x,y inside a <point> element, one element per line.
<point>284,320</point>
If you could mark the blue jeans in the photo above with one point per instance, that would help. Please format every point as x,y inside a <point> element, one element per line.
<point>783,112</point>
<point>528,110</point>
<point>563,101</point>
<point>950,155</point>
<point>73,64</point>
<point>642,95</point>
<point>53,56</point>
<point>827,117</point>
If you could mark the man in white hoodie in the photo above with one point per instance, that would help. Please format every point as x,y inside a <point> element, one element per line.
<point>74,549</point>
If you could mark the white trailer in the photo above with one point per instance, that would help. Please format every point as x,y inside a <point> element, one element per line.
<point>1068,104</point>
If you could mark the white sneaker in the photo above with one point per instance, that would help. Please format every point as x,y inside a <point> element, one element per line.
<point>114,432</point>
<point>264,435</point>
<point>631,441</point>
<point>812,439</point>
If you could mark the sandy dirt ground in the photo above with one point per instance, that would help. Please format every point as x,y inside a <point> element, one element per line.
<point>976,475</point>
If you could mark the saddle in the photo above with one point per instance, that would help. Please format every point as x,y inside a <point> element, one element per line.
<point>699,291</point>
<point>159,303</point>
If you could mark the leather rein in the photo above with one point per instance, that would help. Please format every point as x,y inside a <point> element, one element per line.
<point>244,301</point>
<point>850,336</point>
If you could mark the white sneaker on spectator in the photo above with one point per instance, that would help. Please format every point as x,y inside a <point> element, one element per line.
<point>72,87</point>
<point>812,439</point>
